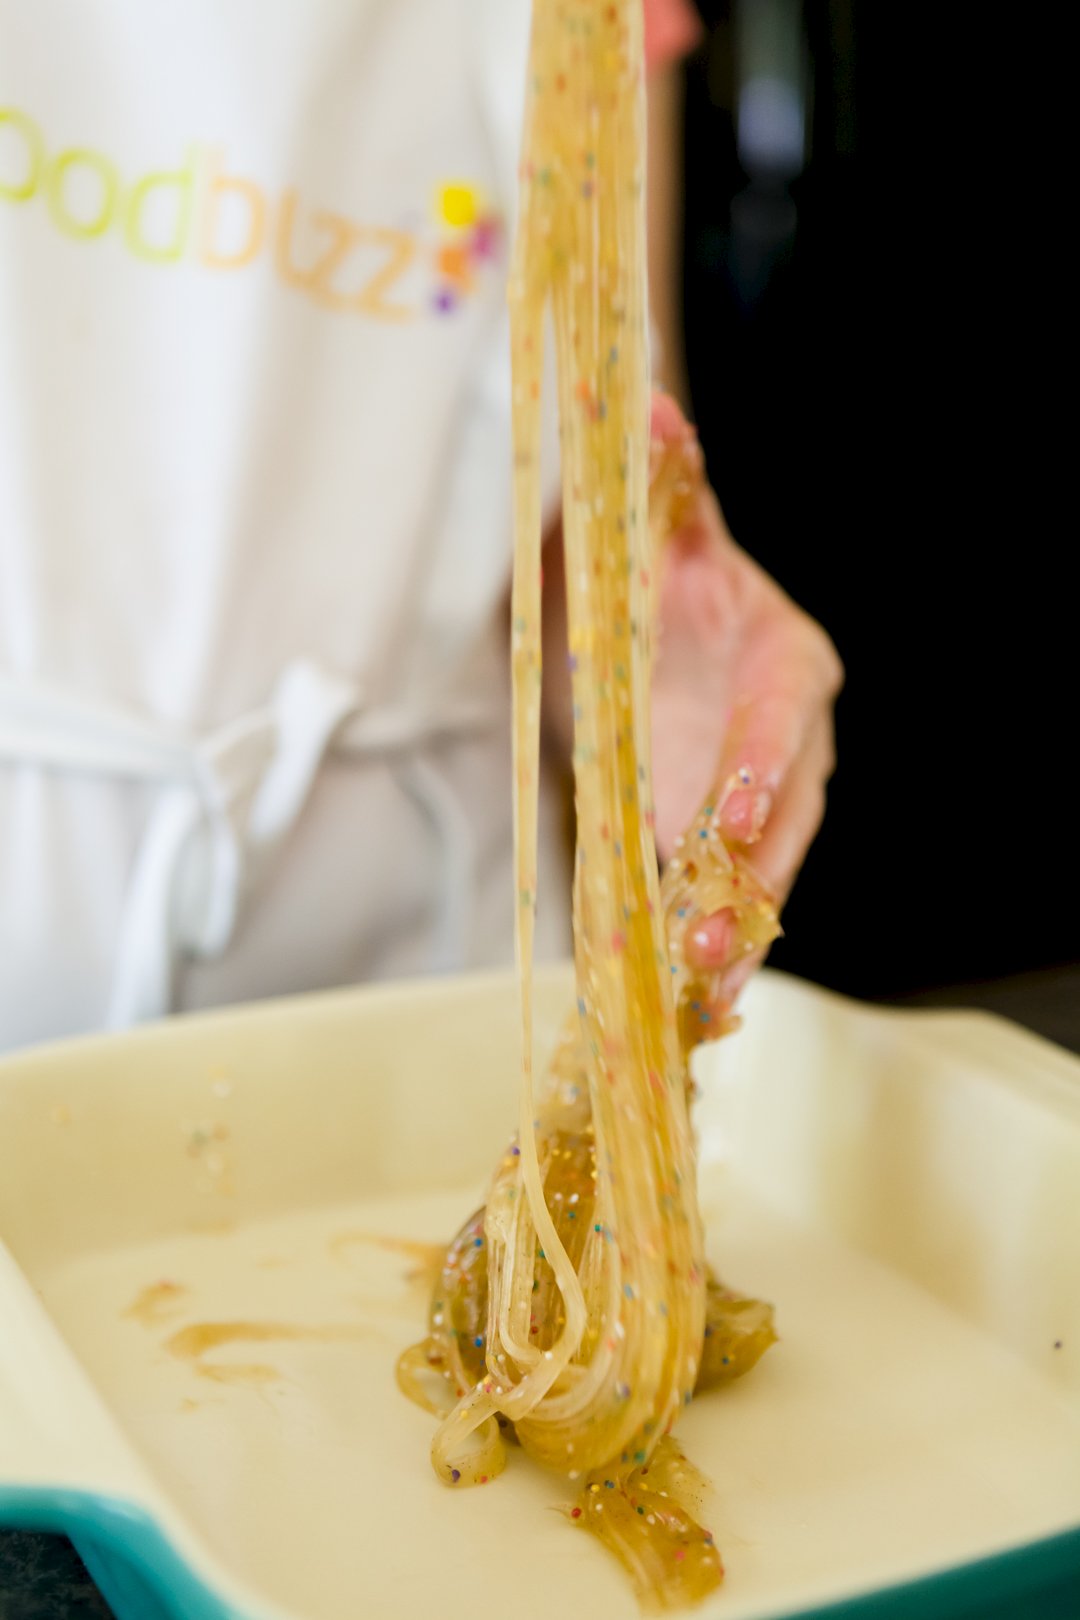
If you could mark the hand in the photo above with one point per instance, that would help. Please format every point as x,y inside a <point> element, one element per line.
<point>743,692</point>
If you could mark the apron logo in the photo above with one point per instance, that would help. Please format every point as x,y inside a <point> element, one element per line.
<point>471,238</point>
<point>202,213</point>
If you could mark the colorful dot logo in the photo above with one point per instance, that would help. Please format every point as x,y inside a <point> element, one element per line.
<point>458,205</point>
<point>470,237</point>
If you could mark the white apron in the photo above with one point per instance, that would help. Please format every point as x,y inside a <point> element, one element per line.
<point>254,499</point>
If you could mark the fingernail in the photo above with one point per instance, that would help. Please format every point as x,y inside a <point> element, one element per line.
<point>709,942</point>
<point>745,813</point>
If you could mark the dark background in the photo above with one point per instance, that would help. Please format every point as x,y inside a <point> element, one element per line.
<point>853,313</point>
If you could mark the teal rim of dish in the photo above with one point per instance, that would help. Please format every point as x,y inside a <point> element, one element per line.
<point>143,1577</point>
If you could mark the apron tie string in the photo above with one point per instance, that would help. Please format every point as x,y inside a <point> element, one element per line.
<point>227,803</point>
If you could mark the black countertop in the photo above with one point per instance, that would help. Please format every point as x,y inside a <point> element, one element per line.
<point>41,1577</point>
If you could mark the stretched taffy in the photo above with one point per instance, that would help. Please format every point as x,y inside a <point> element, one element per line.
<point>640,1501</point>
<point>576,1311</point>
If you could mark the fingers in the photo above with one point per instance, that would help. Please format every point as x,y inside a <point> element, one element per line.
<point>780,846</point>
<point>709,942</point>
<point>739,660</point>
<point>799,812</point>
<point>796,675</point>
<point>734,981</point>
<point>765,739</point>
<point>668,424</point>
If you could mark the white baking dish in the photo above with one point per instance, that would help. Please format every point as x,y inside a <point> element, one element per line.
<point>904,1186</point>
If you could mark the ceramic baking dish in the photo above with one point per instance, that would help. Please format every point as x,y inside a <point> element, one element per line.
<point>210,1231</point>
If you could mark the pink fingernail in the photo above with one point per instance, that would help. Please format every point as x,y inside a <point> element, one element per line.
<point>710,941</point>
<point>745,813</point>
